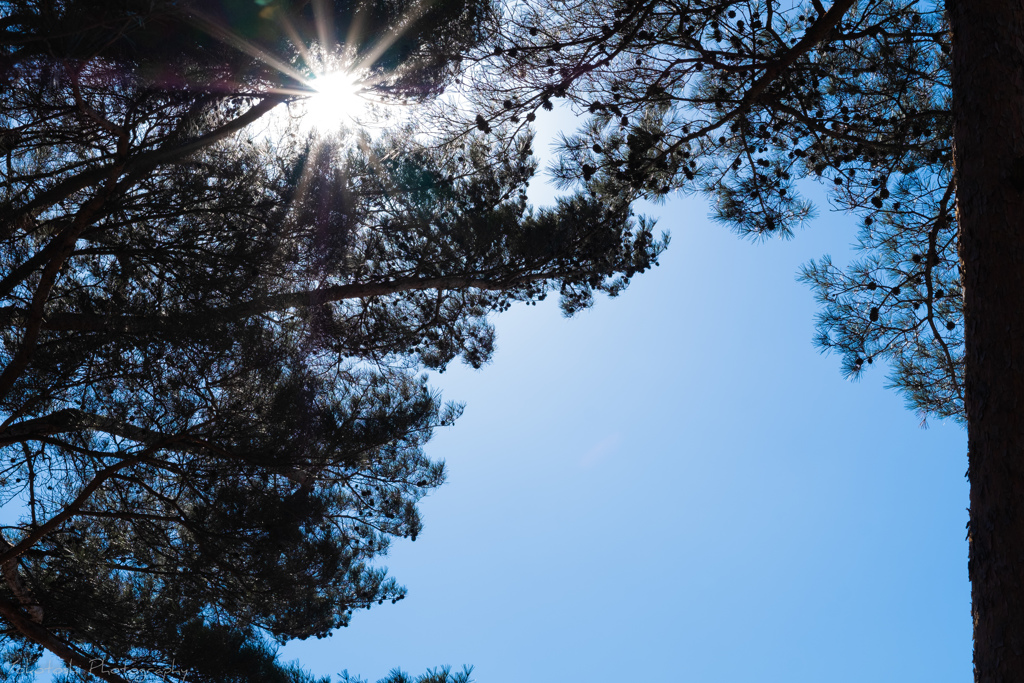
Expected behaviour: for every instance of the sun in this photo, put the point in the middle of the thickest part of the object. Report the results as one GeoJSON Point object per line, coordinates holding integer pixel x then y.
{"type": "Point", "coordinates": [338, 101]}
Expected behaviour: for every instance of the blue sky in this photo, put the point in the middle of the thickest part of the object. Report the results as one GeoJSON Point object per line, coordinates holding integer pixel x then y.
{"type": "Point", "coordinates": [677, 485]}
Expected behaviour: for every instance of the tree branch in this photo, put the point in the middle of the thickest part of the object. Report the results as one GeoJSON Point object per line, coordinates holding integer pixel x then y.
{"type": "Point", "coordinates": [88, 322]}
{"type": "Point", "coordinates": [18, 587]}
{"type": "Point", "coordinates": [818, 31]}
{"type": "Point", "coordinates": [72, 419]}
{"type": "Point", "coordinates": [141, 164]}
{"type": "Point", "coordinates": [65, 244]}
{"type": "Point", "coordinates": [13, 615]}
{"type": "Point", "coordinates": [46, 527]}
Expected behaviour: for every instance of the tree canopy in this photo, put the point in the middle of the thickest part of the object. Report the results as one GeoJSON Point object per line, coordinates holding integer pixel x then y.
{"type": "Point", "coordinates": [743, 101]}
{"type": "Point", "coordinates": [213, 410]}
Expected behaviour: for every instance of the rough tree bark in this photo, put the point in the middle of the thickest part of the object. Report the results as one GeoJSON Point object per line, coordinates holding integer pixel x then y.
{"type": "Point", "coordinates": [988, 143]}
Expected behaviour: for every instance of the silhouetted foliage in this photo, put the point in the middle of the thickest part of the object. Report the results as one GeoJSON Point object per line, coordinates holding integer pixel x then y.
{"type": "Point", "coordinates": [743, 100]}
{"type": "Point", "coordinates": [442, 675]}
{"type": "Point", "coordinates": [211, 391]}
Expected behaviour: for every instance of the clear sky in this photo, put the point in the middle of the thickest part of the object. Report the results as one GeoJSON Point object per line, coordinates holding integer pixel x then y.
{"type": "Point", "coordinates": [676, 485]}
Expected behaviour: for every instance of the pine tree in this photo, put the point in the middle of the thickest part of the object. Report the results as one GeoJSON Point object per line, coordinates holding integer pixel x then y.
{"type": "Point", "coordinates": [210, 370]}
{"type": "Point", "coordinates": [907, 112]}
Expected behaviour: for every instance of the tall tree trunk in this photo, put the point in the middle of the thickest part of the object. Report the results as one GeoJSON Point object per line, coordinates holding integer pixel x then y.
{"type": "Point", "coordinates": [988, 148]}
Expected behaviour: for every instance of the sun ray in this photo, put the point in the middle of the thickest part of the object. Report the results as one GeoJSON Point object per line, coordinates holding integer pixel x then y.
{"type": "Point", "coordinates": [332, 82]}
{"type": "Point", "coordinates": [386, 41]}
{"type": "Point", "coordinates": [324, 21]}
{"type": "Point", "coordinates": [350, 48]}
{"type": "Point", "coordinates": [229, 37]}
{"type": "Point", "coordinates": [297, 40]}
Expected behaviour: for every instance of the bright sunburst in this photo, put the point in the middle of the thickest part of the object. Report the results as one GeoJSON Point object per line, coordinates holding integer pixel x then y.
{"type": "Point", "coordinates": [337, 101]}
{"type": "Point", "coordinates": [334, 89]}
